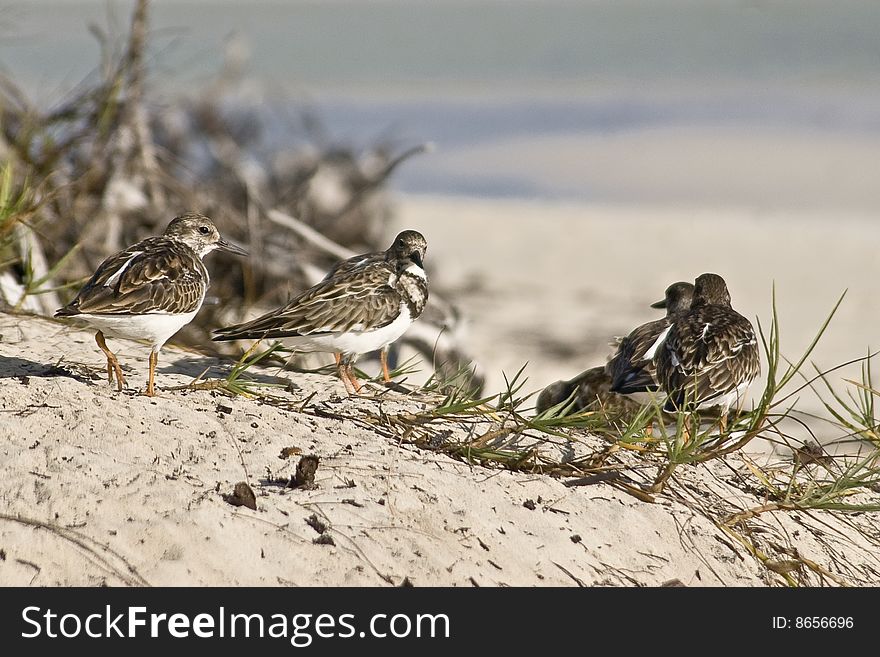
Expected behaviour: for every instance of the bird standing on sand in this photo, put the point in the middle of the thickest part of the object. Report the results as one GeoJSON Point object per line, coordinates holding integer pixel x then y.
{"type": "Point", "coordinates": [347, 266]}
{"type": "Point", "coordinates": [632, 369]}
{"type": "Point", "coordinates": [150, 290]}
{"type": "Point", "coordinates": [710, 354]}
{"type": "Point", "coordinates": [364, 304]}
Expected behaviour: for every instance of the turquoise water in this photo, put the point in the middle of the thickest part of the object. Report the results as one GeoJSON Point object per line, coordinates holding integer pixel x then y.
{"type": "Point", "coordinates": [474, 72]}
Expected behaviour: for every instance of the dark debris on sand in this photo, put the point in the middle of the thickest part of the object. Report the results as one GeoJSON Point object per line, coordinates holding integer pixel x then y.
{"type": "Point", "coordinates": [242, 495]}
{"type": "Point", "coordinates": [305, 472]}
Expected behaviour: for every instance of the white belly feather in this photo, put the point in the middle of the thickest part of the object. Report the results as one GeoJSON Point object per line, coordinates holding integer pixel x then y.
{"type": "Point", "coordinates": [155, 328]}
{"type": "Point", "coordinates": [354, 342]}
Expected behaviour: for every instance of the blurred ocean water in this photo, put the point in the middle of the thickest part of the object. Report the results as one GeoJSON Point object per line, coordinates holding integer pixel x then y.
{"type": "Point", "coordinates": [535, 98]}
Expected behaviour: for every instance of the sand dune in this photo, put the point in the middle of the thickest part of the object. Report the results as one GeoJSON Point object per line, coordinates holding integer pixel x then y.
{"type": "Point", "coordinates": [100, 487]}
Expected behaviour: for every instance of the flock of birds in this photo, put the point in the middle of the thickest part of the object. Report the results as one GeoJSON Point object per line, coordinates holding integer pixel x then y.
{"type": "Point", "coordinates": [701, 354]}
{"type": "Point", "coordinates": [152, 289]}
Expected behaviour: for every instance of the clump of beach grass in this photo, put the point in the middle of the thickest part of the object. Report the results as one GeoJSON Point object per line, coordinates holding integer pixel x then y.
{"type": "Point", "coordinates": [236, 383]}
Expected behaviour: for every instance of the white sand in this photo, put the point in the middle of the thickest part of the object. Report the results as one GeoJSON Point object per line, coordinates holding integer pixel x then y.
{"type": "Point", "coordinates": [129, 491]}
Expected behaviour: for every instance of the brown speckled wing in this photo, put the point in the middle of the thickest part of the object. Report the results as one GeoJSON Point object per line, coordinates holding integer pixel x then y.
{"type": "Point", "coordinates": [153, 276]}
{"type": "Point", "coordinates": [355, 262]}
{"type": "Point", "coordinates": [708, 353]}
{"type": "Point", "coordinates": [356, 299]}
{"type": "Point", "coordinates": [628, 369]}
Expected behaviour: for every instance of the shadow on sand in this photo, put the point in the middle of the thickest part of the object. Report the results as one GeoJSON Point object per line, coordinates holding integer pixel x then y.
{"type": "Point", "coordinates": [213, 368]}
{"type": "Point", "coordinates": [12, 367]}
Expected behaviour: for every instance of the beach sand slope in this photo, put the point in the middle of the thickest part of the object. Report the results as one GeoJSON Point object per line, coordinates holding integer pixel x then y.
{"type": "Point", "coordinates": [99, 487]}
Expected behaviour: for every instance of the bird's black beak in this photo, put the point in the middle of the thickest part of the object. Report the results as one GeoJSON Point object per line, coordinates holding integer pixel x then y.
{"type": "Point", "coordinates": [416, 257]}
{"type": "Point", "coordinates": [659, 304]}
{"type": "Point", "coordinates": [229, 247]}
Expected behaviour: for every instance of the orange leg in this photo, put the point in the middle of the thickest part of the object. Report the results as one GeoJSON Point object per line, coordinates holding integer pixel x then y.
{"type": "Point", "coordinates": [112, 363]}
{"type": "Point", "coordinates": [351, 377]}
{"type": "Point", "coordinates": [383, 357]}
{"type": "Point", "coordinates": [342, 372]}
{"type": "Point", "coordinates": [154, 360]}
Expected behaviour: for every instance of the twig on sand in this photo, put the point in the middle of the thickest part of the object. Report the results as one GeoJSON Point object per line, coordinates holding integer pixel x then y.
{"type": "Point", "coordinates": [574, 577]}
{"type": "Point", "coordinates": [95, 551]}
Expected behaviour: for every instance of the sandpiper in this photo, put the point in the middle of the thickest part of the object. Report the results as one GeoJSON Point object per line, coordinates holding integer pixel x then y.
{"type": "Point", "coordinates": [589, 390]}
{"type": "Point", "coordinates": [363, 305]}
{"type": "Point", "coordinates": [150, 290]}
{"type": "Point", "coordinates": [559, 391]}
{"type": "Point", "coordinates": [710, 354]}
{"type": "Point", "coordinates": [347, 266]}
{"type": "Point", "coordinates": [632, 368]}
{"type": "Point", "coordinates": [616, 385]}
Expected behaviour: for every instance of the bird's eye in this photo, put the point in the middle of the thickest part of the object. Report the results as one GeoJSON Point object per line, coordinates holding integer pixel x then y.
{"type": "Point", "coordinates": [204, 230]}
